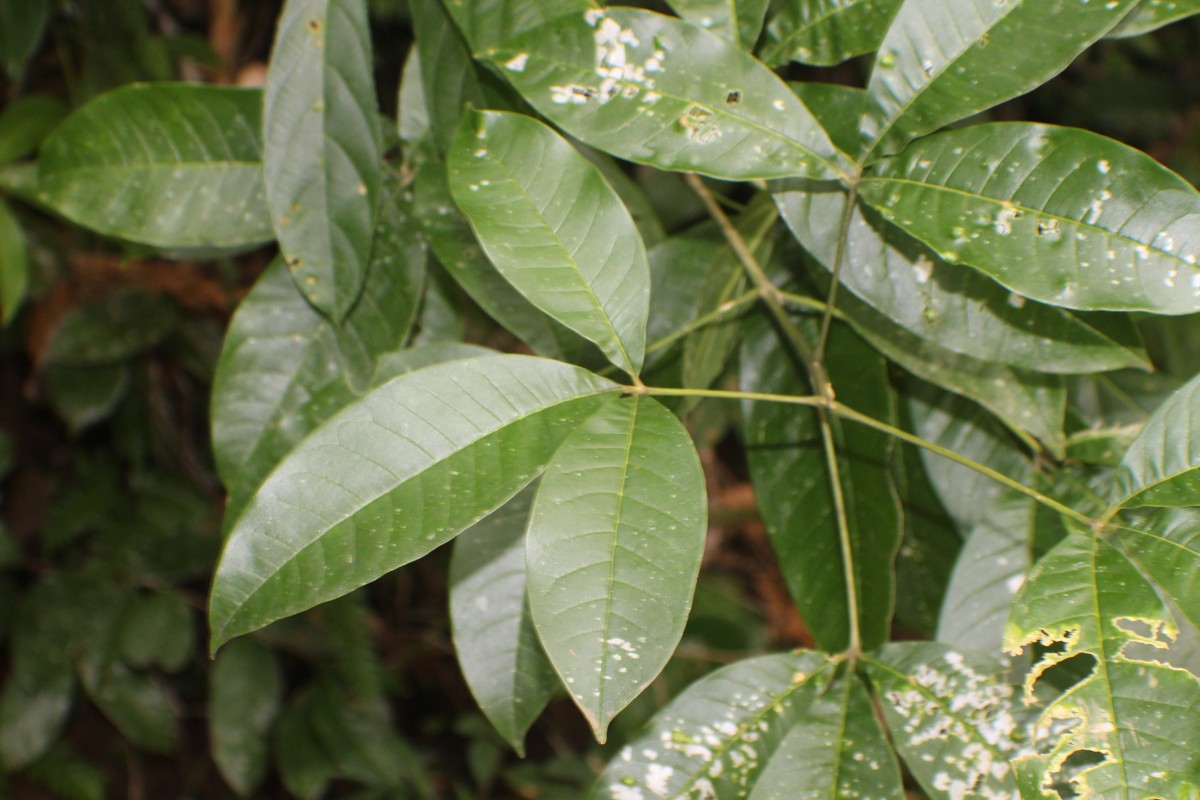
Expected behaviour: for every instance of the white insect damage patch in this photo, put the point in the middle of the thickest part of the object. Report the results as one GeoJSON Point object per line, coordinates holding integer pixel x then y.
{"type": "Point", "coordinates": [618, 73]}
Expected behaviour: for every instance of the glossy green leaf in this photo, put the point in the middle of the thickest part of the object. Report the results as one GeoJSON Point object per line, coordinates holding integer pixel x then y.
{"type": "Point", "coordinates": [1064, 216]}
{"type": "Point", "coordinates": [1153, 14]}
{"type": "Point", "coordinates": [453, 242]}
{"type": "Point", "coordinates": [989, 571]}
{"type": "Point", "coordinates": [1085, 598]}
{"type": "Point", "coordinates": [952, 717]}
{"type": "Point", "coordinates": [835, 750]}
{"type": "Point", "coordinates": [739, 21]}
{"type": "Point", "coordinates": [285, 368]}
{"type": "Point", "coordinates": [14, 264]}
{"type": "Point", "coordinates": [1028, 402]}
{"type": "Point", "coordinates": [555, 229]}
{"type": "Point", "coordinates": [1166, 546]}
{"type": "Point", "coordinates": [944, 60]}
{"type": "Point", "coordinates": [791, 482]}
{"type": "Point", "coordinates": [111, 329]}
{"type": "Point", "coordinates": [613, 550]}
{"type": "Point", "coordinates": [427, 455]}
{"type": "Point", "coordinates": [245, 687]}
{"type": "Point", "coordinates": [485, 23]}
{"type": "Point", "coordinates": [25, 122]}
{"type": "Point", "coordinates": [826, 32]}
{"type": "Point", "coordinates": [1161, 466]}
{"type": "Point", "coordinates": [169, 165]}
{"type": "Point", "coordinates": [497, 647]}
{"type": "Point", "coordinates": [958, 309]}
{"type": "Point", "coordinates": [717, 737]}
{"type": "Point", "coordinates": [321, 148]}
{"type": "Point", "coordinates": [656, 90]}
{"type": "Point", "coordinates": [22, 24]}
{"type": "Point", "coordinates": [401, 362]}
{"type": "Point", "coordinates": [86, 395]}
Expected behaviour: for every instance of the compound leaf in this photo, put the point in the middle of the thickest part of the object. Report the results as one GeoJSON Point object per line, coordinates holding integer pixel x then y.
{"type": "Point", "coordinates": [394, 474]}
{"type": "Point", "coordinates": [555, 229]}
{"type": "Point", "coordinates": [169, 165]}
{"type": "Point", "coordinates": [613, 550]}
{"type": "Point", "coordinates": [322, 147]}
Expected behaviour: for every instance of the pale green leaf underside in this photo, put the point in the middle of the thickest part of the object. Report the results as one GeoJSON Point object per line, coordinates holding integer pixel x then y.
{"type": "Point", "coordinates": [716, 738]}
{"type": "Point", "coordinates": [399, 471]}
{"type": "Point", "coordinates": [1061, 215]}
{"type": "Point", "coordinates": [739, 21]}
{"type": "Point", "coordinates": [613, 550]}
{"type": "Point", "coordinates": [1087, 596]}
{"type": "Point", "coordinates": [944, 60]}
{"type": "Point", "coordinates": [322, 148]}
{"type": "Point", "coordinates": [958, 309]}
{"type": "Point", "coordinates": [827, 32]}
{"type": "Point", "coordinates": [1153, 14]}
{"type": "Point", "coordinates": [951, 716]}
{"type": "Point", "coordinates": [555, 229]}
{"type": "Point", "coordinates": [494, 639]}
{"type": "Point", "coordinates": [170, 165]}
{"type": "Point", "coordinates": [1160, 467]}
{"type": "Point", "coordinates": [656, 90]}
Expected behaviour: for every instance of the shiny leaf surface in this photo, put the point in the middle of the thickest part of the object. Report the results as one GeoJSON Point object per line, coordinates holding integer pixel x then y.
{"type": "Point", "coordinates": [739, 21]}
{"type": "Point", "coordinates": [827, 32]}
{"type": "Point", "coordinates": [1160, 467]}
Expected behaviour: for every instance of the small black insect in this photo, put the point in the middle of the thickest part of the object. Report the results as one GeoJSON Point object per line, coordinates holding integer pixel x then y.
{"type": "Point", "coordinates": [734, 96]}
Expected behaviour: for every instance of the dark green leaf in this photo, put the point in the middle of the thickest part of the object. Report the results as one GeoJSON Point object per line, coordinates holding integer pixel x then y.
{"type": "Point", "coordinates": [792, 484]}
{"type": "Point", "coordinates": [25, 122]}
{"type": "Point", "coordinates": [157, 630]}
{"type": "Point", "coordinates": [245, 689]}
{"type": "Point", "coordinates": [716, 739]}
{"type": "Point", "coordinates": [430, 453]}
{"type": "Point", "coordinates": [112, 329]}
{"type": "Point", "coordinates": [14, 264]}
{"type": "Point", "coordinates": [944, 60]}
{"type": "Point", "coordinates": [739, 21]}
{"type": "Point", "coordinates": [402, 362]}
{"type": "Point", "coordinates": [321, 148]}
{"type": "Point", "coordinates": [86, 395]}
{"type": "Point", "coordinates": [613, 549]}
{"type": "Point", "coordinates": [1166, 546]}
{"type": "Point", "coordinates": [33, 710]}
{"type": "Point", "coordinates": [658, 91]}
{"type": "Point", "coordinates": [1153, 14]}
{"type": "Point", "coordinates": [169, 165]}
{"type": "Point", "coordinates": [827, 32]}
{"type": "Point", "coordinates": [485, 23]}
{"type": "Point", "coordinates": [956, 308]}
{"type": "Point", "coordinates": [497, 647]}
{"type": "Point", "coordinates": [1160, 467]}
{"type": "Point", "coordinates": [555, 229]}
{"type": "Point", "coordinates": [1060, 215]}
{"type": "Point", "coordinates": [22, 23]}
{"type": "Point", "coordinates": [412, 118]}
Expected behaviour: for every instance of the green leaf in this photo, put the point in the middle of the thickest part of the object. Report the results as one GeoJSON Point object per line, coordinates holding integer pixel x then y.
{"type": "Point", "coordinates": [958, 309]}
{"type": "Point", "coordinates": [412, 116]}
{"type": "Point", "coordinates": [1166, 546]}
{"type": "Point", "coordinates": [245, 686]}
{"type": "Point", "coordinates": [989, 571]}
{"type": "Point", "coordinates": [791, 481]}
{"type": "Point", "coordinates": [680, 268]}
{"type": "Point", "coordinates": [33, 710]}
{"type": "Point", "coordinates": [112, 329]}
{"type": "Point", "coordinates": [169, 165]}
{"type": "Point", "coordinates": [25, 122]}
{"type": "Point", "coordinates": [739, 21]}
{"type": "Point", "coordinates": [1084, 598]}
{"type": "Point", "coordinates": [157, 630]}
{"type": "Point", "coordinates": [14, 264]}
{"type": "Point", "coordinates": [656, 90]}
{"type": "Point", "coordinates": [22, 23]}
{"type": "Point", "coordinates": [485, 23]}
{"type": "Point", "coordinates": [613, 550]}
{"type": "Point", "coordinates": [138, 706]}
{"type": "Point", "coordinates": [930, 65]}
{"type": "Point", "coordinates": [321, 148]}
{"type": "Point", "coordinates": [497, 646]}
{"type": "Point", "coordinates": [1151, 15]}
{"type": "Point", "coordinates": [717, 737]}
{"type": "Point", "coordinates": [86, 395]}
{"type": "Point", "coordinates": [453, 242]}
{"type": "Point", "coordinates": [410, 359]}
{"type": "Point", "coordinates": [285, 368]}
{"type": "Point", "coordinates": [826, 32]}
{"type": "Point", "coordinates": [951, 716]}
{"type": "Point", "coordinates": [1060, 215]}
{"type": "Point", "coordinates": [428, 455]}
{"type": "Point", "coordinates": [1160, 467]}
{"type": "Point", "coordinates": [555, 229]}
